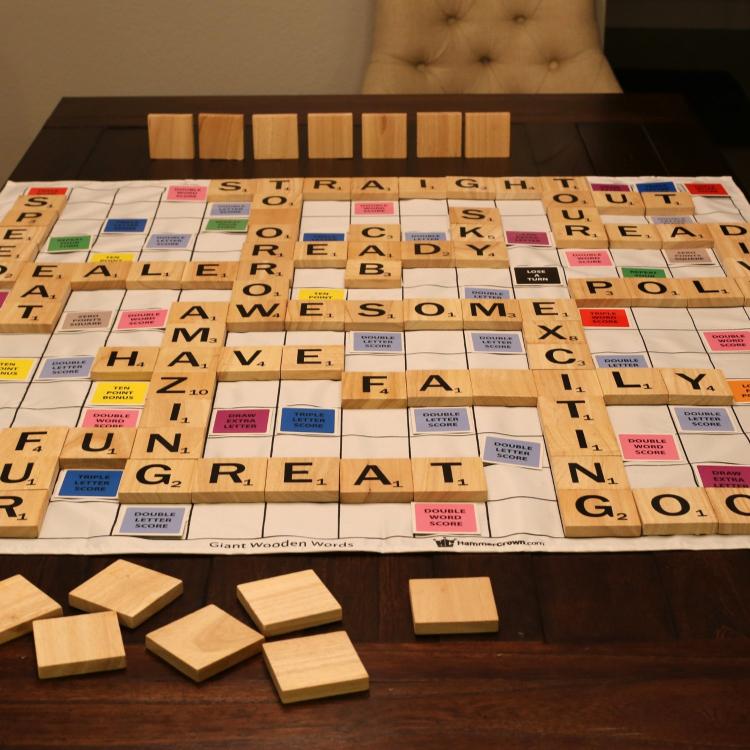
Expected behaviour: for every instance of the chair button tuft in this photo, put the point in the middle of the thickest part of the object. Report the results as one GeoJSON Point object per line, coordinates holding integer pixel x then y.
{"type": "Point", "coordinates": [485, 60]}
{"type": "Point", "coordinates": [553, 65]}
{"type": "Point", "coordinates": [451, 19]}
{"type": "Point", "coordinates": [520, 19]}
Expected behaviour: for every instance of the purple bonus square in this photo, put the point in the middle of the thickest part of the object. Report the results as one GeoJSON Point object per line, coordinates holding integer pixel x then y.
{"type": "Point", "coordinates": [233, 421]}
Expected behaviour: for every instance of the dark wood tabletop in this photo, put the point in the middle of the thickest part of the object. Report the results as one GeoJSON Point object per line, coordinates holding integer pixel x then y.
{"type": "Point", "coordinates": [636, 650]}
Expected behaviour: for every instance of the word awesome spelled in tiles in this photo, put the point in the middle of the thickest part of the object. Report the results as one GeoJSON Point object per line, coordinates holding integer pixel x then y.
{"type": "Point", "coordinates": [377, 364]}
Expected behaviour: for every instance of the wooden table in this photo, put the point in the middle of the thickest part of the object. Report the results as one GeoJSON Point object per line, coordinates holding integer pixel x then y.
{"type": "Point", "coordinates": [600, 650]}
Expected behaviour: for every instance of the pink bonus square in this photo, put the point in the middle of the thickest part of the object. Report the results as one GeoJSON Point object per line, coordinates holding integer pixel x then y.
{"type": "Point", "coordinates": [649, 447]}
{"type": "Point", "coordinates": [445, 518]}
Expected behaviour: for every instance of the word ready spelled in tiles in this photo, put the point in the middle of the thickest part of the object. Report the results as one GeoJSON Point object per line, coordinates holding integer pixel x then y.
{"type": "Point", "coordinates": [385, 364]}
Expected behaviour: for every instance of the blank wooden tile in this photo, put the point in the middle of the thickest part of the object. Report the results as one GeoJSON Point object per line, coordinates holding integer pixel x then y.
{"type": "Point", "coordinates": [221, 136]}
{"type": "Point", "coordinates": [302, 480]}
{"type": "Point", "coordinates": [503, 388]}
{"type": "Point", "coordinates": [486, 135]}
{"type": "Point", "coordinates": [453, 605]}
{"type": "Point", "coordinates": [599, 513]}
{"type": "Point", "coordinates": [229, 480]}
{"type": "Point", "coordinates": [438, 134]}
{"type": "Point", "coordinates": [695, 387]}
{"type": "Point", "coordinates": [156, 481]}
{"type": "Point", "coordinates": [285, 603]}
{"type": "Point", "coordinates": [454, 479]}
{"type": "Point", "coordinates": [438, 388]}
{"type": "Point", "coordinates": [21, 603]}
{"type": "Point", "coordinates": [134, 592]}
{"type": "Point", "coordinates": [667, 511]}
{"type": "Point", "coordinates": [80, 644]}
{"type": "Point", "coordinates": [275, 136]}
{"type": "Point", "coordinates": [97, 447]}
{"type": "Point", "coordinates": [22, 513]}
{"type": "Point", "coordinates": [373, 390]}
{"type": "Point", "coordinates": [330, 135]}
{"type": "Point", "coordinates": [170, 136]}
{"type": "Point", "coordinates": [249, 363]}
{"type": "Point", "coordinates": [732, 508]}
{"type": "Point", "coordinates": [309, 362]}
{"type": "Point", "coordinates": [383, 135]}
{"type": "Point", "coordinates": [376, 480]}
{"type": "Point", "coordinates": [204, 643]}
{"type": "Point", "coordinates": [315, 666]}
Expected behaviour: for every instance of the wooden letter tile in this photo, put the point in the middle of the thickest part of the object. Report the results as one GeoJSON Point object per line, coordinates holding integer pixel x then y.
{"type": "Point", "coordinates": [315, 666]}
{"type": "Point", "coordinates": [249, 363]}
{"type": "Point", "coordinates": [78, 645]}
{"type": "Point", "coordinates": [373, 390]}
{"type": "Point", "coordinates": [639, 385]}
{"type": "Point", "coordinates": [383, 135]}
{"type": "Point", "coordinates": [229, 480]}
{"type": "Point", "coordinates": [170, 136]}
{"type": "Point", "coordinates": [204, 643]}
{"type": "Point", "coordinates": [376, 480]}
{"type": "Point", "coordinates": [693, 387]}
{"type": "Point", "coordinates": [455, 479]}
{"type": "Point", "coordinates": [732, 509]}
{"type": "Point", "coordinates": [602, 513]}
{"type": "Point", "coordinates": [221, 136]}
{"type": "Point", "coordinates": [148, 481]}
{"type": "Point", "coordinates": [97, 447]}
{"type": "Point", "coordinates": [675, 511]}
{"type": "Point", "coordinates": [312, 362]}
{"type": "Point", "coordinates": [135, 593]}
{"type": "Point", "coordinates": [22, 513]}
{"type": "Point", "coordinates": [285, 603]}
{"type": "Point", "coordinates": [453, 605]}
{"type": "Point", "coordinates": [21, 603]}
{"type": "Point", "coordinates": [438, 134]}
{"type": "Point", "coordinates": [438, 388]}
{"type": "Point", "coordinates": [330, 135]}
{"type": "Point", "coordinates": [432, 315]}
{"type": "Point", "coordinates": [275, 136]}
{"type": "Point", "coordinates": [302, 480]}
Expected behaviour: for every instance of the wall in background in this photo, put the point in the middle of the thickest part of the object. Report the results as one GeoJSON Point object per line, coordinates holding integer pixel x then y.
{"type": "Point", "coordinates": [163, 47]}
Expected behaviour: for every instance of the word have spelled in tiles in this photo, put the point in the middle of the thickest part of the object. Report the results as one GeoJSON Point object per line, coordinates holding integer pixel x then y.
{"type": "Point", "coordinates": [360, 360]}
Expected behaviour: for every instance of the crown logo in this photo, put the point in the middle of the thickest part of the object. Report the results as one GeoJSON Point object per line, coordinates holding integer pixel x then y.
{"type": "Point", "coordinates": [444, 542]}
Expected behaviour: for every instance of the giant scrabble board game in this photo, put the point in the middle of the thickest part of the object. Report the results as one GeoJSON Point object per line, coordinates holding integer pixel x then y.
{"type": "Point", "coordinates": [376, 364]}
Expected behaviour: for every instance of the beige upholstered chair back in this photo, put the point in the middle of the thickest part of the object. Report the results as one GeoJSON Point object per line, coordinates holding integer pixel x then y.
{"type": "Point", "coordinates": [487, 46]}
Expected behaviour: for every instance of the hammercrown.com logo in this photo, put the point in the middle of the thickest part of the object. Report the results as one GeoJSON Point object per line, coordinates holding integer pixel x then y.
{"type": "Point", "coordinates": [445, 542]}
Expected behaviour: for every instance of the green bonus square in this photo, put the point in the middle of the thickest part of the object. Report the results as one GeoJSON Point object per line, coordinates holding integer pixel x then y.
{"type": "Point", "coordinates": [226, 225]}
{"type": "Point", "coordinates": [69, 244]}
{"type": "Point", "coordinates": [644, 273]}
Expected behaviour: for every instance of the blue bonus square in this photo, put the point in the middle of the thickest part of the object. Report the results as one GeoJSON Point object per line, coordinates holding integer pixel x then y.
{"type": "Point", "coordinates": [323, 237]}
{"type": "Point", "coordinates": [614, 361]}
{"type": "Point", "coordinates": [703, 419]}
{"type": "Point", "coordinates": [67, 367]}
{"type": "Point", "coordinates": [125, 226]}
{"type": "Point", "coordinates": [478, 292]}
{"type": "Point", "coordinates": [159, 521]}
{"type": "Point", "coordinates": [657, 187]}
{"type": "Point", "coordinates": [499, 343]}
{"type": "Point", "coordinates": [375, 341]}
{"type": "Point", "coordinates": [308, 420]}
{"type": "Point", "coordinates": [90, 483]}
{"type": "Point", "coordinates": [436, 419]}
{"type": "Point", "coordinates": [503, 450]}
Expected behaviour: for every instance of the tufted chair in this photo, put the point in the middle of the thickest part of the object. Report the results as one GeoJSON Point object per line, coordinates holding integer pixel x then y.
{"type": "Point", "coordinates": [487, 47]}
